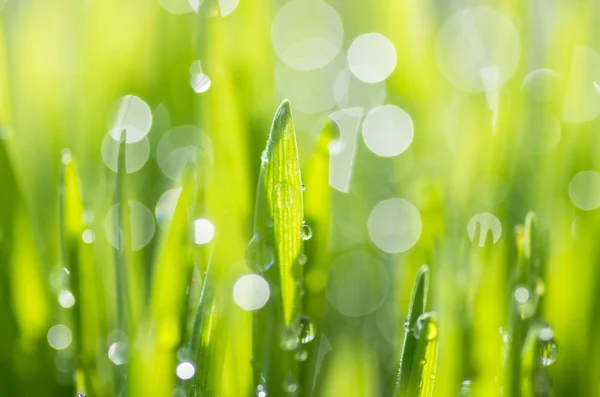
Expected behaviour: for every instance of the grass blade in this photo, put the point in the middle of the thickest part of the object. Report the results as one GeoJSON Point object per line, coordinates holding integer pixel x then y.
{"type": "Point", "coordinates": [412, 348]}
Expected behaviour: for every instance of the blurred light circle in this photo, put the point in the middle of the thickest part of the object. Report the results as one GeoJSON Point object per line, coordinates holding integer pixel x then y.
{"type": "Point", "coordinates": [544, 130]}
{"type": "Point", "coordinates": [307, 34]}
{"type": "Point", "coordinates": [200, 83]}
{"type": "Point", "coordinates": [309, 91]}
{"type": "Point", "coordinates": [487, 222]}
{"type": "Point", "coordinates": [388, 131]}
{"type": "Point", "coordinates": [542, 85]}
{"type": "Point", "coordinates": [228, 6]}
{"type": "Point", "coordinates": [582, 100]}
{"type": "Point", "coordinates": [350, 92]}
{"type": "Point", "coordinates": [180, 146]}
{"type": "Point", "coordinates": [59, 337]}
{"type": "Point", "coordinates": [394, 225]}
{"type": "Point", "coordinates": [141, 226]}
{"type": "Point", "coordinates": [165, 207]}
{"type": "Point", "coordinates": [185, 370]}
{"type": "Point", "coordinates": [584, 190]}
{"type": "Point", "coordinates": [472, 43]}
{"type": "Point", "coordinates": [118, 352]}
{"type": "Point", "coordinates": [372, 57]}
{"type": "Point", "coordinates": [132, 115]}
{"type": "Point", "coordinates": [179, 6]}
{"type": "Point", "coordinates": [204, 231]}
{"type": "Point", "coordinates": [357, 284]}
{"type": "Point", "coordinates": [88, 236]}
{"type": "Point", "coordinates": [251, 292]}
{"type": "Point", "coordinates": [66, 298]}
{"type": "Point", "coordinates": [136, 154]}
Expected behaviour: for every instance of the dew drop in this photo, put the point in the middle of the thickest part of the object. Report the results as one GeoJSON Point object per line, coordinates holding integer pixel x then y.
{"type": "Point", "coordinates": [306, 327]}
{"type": "Point", "coordinates": [525, 302]}
{"type": "Point", "coordinates": [66, 299]}
{"type": "Point", "coordinates": [185, 370]}
{"type": "Point", "coordinates": [283, 195]}
{"type": "Point", "coordinates": [260, 254]}
{"type": "Point", "coordinates": [303, 187]}
{"type": "Point", "coordinates": [261, 391]}
{"type": "Point", "coordinates": [465, 389]}
{"type": "Point", "coordinates": [301, 355]}
{"type": "Point", "coordinates": [302, 259]}
{"type": "Point", "coordinates": [406, 325]}
{"type": "Point", "coordinates": [290, 384]}
{"type": "Point", "coordinates": [289, 339]}
{"type": "Point", "coordinates": [548, 348]}
{"type": "Point", "coordinates": [306, 232]}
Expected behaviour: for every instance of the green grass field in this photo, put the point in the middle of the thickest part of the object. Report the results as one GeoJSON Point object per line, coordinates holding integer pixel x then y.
{"type": "Point", "coordinates": [299, 198]}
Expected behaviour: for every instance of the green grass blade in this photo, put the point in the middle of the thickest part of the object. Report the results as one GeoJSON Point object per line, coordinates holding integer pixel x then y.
{"type": "Point", "coordinates": [411, 346]}
{"type": "Point", "coordinates": [424, 361]}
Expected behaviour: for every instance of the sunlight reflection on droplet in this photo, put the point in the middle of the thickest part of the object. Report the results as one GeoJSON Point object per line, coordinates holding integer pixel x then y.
{"type": "Point", "coordinates": [179, 146]}
{"type": "Point", "coordinates": [165, 207]}
{"type": "Point", "coordinates": [200, 83]}
{"type": "Point", "coordinates": [118, 352]}
{"type": "Point", "coordinates": [351, 92]}
{"type": "Point", "coordinates": [88, 236]}
{"type": "Point", "coordinates": [141, 225]}
{"type": "Point", "coordinates": [59, 337]}
{"type": "Point", "coordinates": [394, 225]}
{"type": "Point", "coordinates": [185, 370]}
{"type": "Point", "coordinates": [372, 57]}
{"type": "Point", "coordinates": [388, 131]}
{"type": "Point", "coordinates": [584, 190]}
{"type": "Point", "coordinates": [133, 115]}
{"type": "Point", "coordinates": [307, 34]}
{"type": "Point", "coordinates": [309, 91]}
{"type": "Point", "coordinates": [204, 231]}
{"type": "Point", "coordinates": [136, 154]}
{"type": "Point", "coordinates": [542, 85]}
{"type": "Point", "coordinates": [251, 292]}
{"type": "Point", "coordinates": [357, 284]}
{"type": "Point", "coordinates": [474, 39]}
{"type": "Point", "coordinates": [66, 299]}
{"type": "Point", "coordinates": [487, 222]}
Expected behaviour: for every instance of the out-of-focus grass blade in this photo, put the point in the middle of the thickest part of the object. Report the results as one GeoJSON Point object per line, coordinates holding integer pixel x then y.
{"type": "Point", "coordinates": [164, 323]}
{"type": "Point", "coordinates": [411, 346]}
{"type": "Point", "coordinates": [76, 255]}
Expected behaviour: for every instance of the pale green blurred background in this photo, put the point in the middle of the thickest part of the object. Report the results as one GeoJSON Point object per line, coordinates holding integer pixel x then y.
{"type": "Point", "coordinates": [450, 113]}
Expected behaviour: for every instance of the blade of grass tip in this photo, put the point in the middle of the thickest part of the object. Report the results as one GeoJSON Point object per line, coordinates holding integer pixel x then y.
{"type": "Point", "coordinates": [163, 325]}
{"type": "Point", "coordinates": [539, 351]}
{"type": "Point", "coordinates": [417, 307]}
{"type": "Point", "coordinates": [278, 239]}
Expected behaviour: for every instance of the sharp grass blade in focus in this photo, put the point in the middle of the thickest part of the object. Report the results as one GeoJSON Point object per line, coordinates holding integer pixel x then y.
{"type": "Point", "coordinates": [416, 350]}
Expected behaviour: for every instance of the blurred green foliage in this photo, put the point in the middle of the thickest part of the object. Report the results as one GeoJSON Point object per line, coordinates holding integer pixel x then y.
{"type": "Point", "coordinates": [514, 295]}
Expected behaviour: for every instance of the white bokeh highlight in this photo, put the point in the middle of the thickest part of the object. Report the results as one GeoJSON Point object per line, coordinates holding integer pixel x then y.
{"type": "Point", "coordinates": [180, 146]}
{"type": "Point", "coordinates": [133, 115]}
{"type": "Point", "coordinates": [251, 292]}
{"type": "Point", "coordinates": [136, 154]}
{"type": "Point", "coordinates": [204, 231]}
{"type": "Point", "coordinates": [388, 131]}
{"type": "Point", "coordinates": [59, 337]}
{"type": "Point", "coordinates": [141, 225]}
{"type": "Point", "coordinates": [394, 225]}
{"type": "Point", "coordinates": [584, 190]}
{"type": "Point", "coordinates": [372, 57]}
{"type": "Point", "coordinates": [307, 34]}
{"type": "Point", "coordinates": [487, 223]}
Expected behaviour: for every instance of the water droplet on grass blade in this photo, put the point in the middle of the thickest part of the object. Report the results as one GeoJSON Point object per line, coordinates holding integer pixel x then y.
{"type": "Point", "coordinates": [301, 354]}
{"type": "Point", "coordinates": [261, 391]}
{"type": "Point", "coordinates": [465, 389]}
{"type": "Point", "coordinates": [525, 302]}
{"type": "Point", "coordinates": [66, 299]}
{"type": "Point", "coordinates": [548, 346]}
{"type": "Point", "coordinates": [306, 232]}
{"type": "Point", "coordinates": [306, 329]}
{"type": "Point", "coordinates": [302, 259]}
{"type": "Point", "coordinates": [290, 384]}
{"type": "Point", "coordinates": [260, 254]}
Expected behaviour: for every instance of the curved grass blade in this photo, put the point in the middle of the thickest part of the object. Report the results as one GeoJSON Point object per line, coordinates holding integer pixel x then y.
{"type": "Point", "coordinates": [411, 347]}
{"type": "Point", "coordinates": [425, 358]}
